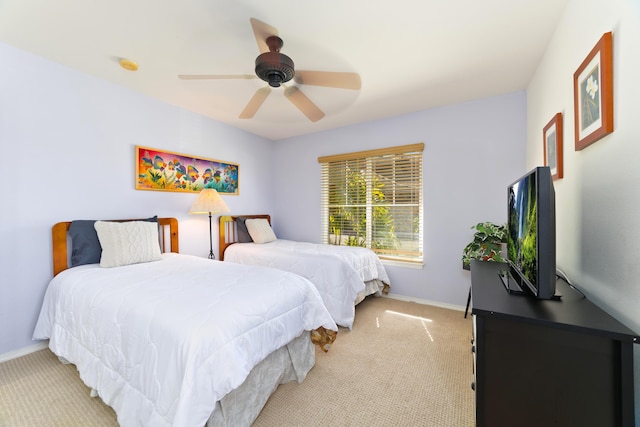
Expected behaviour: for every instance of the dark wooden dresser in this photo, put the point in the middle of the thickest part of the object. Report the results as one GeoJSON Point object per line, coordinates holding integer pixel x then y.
{"type": "Point", "coordinates": [547, 362]}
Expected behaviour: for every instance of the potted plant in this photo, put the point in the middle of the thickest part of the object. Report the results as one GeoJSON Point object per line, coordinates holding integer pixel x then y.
{"type": "Point", "coordinates": [486, 244]}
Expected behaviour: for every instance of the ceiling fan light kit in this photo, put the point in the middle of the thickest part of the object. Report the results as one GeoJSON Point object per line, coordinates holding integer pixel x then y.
{"type": "Point", "coordinates": [276, 69]}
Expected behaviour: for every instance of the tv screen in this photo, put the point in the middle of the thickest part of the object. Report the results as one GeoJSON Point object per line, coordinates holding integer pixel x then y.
{"type": "Point", "coordinates": [531, 233]}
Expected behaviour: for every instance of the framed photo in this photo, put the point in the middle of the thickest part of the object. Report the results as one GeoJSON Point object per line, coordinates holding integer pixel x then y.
{"type": "Point", "coordinates": [552, 135]}
{"type": "Point", "coordinates": [593, 94]}
{"type": "Point", "coordinates": [168, 171]}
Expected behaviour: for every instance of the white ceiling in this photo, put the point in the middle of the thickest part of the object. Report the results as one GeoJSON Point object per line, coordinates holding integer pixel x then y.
{"type": "Point", "coordinates": [411, 54]}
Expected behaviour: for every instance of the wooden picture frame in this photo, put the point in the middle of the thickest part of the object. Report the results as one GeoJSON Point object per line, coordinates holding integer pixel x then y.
{"type": "Point", "coordinates": [161, 170]}
{"type": "Point", "coordinates": [552, 136]}
{"type": "Point", "coordinates": [593, 94]}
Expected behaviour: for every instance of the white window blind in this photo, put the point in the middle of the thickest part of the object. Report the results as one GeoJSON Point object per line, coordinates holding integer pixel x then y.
{"type": "Point", "coordinates": [373, 199]}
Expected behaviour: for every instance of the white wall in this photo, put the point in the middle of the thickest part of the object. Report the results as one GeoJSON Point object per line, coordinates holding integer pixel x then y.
{"type": "Point", "coordinates": [598, 200]}
{"type": "Point", "coordinates": [472, 152]}
{"type": "Point", "coordinates": [67, 143]}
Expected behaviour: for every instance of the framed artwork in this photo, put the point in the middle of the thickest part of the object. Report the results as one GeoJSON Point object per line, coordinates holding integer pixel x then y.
{"type": "Point", "coordinates": [161, 170]}
{"type": "Point", "coordinates": [552, 135]}
{"type": "Point", "coordinates": [593, 94]}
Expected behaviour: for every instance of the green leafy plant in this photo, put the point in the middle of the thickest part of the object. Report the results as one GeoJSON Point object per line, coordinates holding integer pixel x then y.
{"type": "Point", "coordinates": [348, 219]}
{"type": "Point", "coordinates": [486, 244]}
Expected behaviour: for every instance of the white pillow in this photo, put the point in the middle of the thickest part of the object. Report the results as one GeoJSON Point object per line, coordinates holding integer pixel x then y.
{"type": "Point", "coordinates": [260, 230]}
{"type": "Point", "coordinates": [125, 243]}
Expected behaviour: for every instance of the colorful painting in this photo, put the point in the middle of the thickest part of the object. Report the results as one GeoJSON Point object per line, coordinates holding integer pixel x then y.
{"type": "Point", "coordinates": [167, 171]}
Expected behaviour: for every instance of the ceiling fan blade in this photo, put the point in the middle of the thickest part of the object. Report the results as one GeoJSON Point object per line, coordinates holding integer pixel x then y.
{"type": "Point", "coordinates": [328, 79]}
{"type": "Point", "coordinates": [255, 102]}
{"type": "Point", "coordinates": [262, 31]}
{"type": "Point", "coordinates": [216, 76]}
{"type": "Point", "coordinates": [303, 103]}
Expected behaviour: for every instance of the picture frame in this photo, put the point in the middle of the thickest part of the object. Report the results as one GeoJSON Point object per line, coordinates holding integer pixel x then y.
{"type": "Point", "coordinates": [553, 149]}
{"type": "Point", "coordinates": [161, 170]}
{"type": "Point", "coordinates": [593, 94]}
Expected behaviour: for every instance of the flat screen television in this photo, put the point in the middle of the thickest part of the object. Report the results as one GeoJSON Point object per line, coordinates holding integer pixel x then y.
{"type": "Point", "coordinates": [531, 233]}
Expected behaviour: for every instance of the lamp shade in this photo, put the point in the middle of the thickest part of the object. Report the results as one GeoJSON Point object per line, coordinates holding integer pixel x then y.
{"type": "Point", "coordinates": [209, 202]}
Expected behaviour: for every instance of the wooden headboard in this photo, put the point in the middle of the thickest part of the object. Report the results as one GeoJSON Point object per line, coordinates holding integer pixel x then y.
{"type": "Point", "coordinates": [229, 232]}
{"type": "Point", "coordinates": [61, 252]}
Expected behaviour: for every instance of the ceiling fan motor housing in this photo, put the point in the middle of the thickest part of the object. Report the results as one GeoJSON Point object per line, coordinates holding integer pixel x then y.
{"type": "Point", "coordinates": [274, 68]}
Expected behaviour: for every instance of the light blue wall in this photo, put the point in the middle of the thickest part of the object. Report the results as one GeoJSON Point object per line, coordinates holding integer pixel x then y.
{"type": "Point", "coordinates": [472, 152]}
{"type": "Point", "coordinates": [67, 143]}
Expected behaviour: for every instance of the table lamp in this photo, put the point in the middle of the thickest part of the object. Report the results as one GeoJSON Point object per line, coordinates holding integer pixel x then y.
{"type": "Point", "coordinates": [209, 201]}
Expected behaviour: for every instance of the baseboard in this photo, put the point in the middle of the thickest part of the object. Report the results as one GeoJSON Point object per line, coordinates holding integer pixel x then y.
{"type": "Point", "coordinates": [425, 302]}
{"type": "Point", "coordinates": [24, 351]}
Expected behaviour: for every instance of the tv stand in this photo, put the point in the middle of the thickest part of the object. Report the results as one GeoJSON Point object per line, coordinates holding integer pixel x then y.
{"type": "Point", "coordinates": [513, 287]}
{"type": "Point", "coordinates": [541, 362]}
{"type": "Point", "coordinates": [510, 283]}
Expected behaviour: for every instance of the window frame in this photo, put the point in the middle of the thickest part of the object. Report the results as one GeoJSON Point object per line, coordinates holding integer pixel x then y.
{"type": "Point", "coordinates": [367, 160]}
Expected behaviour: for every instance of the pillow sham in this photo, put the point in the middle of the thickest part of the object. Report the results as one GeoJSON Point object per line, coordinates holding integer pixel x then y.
{"type": "Point", "coordinates": [260, 230]}
{"type": "Point", "coordinates": [243, 233]}
{"type": "Point", "coordinates": [85, 245]}
{"type": "Point", "coordinates": [125, 243]}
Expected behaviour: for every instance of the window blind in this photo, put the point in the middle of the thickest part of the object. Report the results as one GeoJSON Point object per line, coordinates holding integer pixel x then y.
{"type": "Point", "coordinates": [373, 199]}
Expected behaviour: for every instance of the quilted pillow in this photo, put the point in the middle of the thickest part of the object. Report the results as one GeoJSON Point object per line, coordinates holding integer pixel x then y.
{"type": "Point", "coordinates": [125, 243]}
{"type": "Point", "coordinates": [243, 233]}
{"type": "Point", "coordinates": [85, 245]}
{"type": "Point", "coordinates": [260, 230]}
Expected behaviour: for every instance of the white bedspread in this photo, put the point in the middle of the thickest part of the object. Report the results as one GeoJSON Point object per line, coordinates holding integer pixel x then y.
{"type": "Point", "coordinates": [161, 342]}
{"type": "Point", "coordinates": [339, 272]}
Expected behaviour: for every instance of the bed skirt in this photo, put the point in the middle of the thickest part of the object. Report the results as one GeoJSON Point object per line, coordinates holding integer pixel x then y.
{"type": "Point", "coordinates": [242, 406]}
{"type": "Point", "coordinates": [372, 287]}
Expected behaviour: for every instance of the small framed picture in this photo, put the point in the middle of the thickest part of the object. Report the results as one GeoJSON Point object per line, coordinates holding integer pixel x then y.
{"type": "Point", "coordinates": [552, 136]}
{"type": "Point", "coordinates": [593, 94]}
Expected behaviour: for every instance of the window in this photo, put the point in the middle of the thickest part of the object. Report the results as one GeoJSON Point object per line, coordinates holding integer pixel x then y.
{"type": "Point", "coordinates": [373, 199]}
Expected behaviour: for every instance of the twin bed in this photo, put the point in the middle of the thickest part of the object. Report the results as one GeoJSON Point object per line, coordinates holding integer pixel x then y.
{"type": "Point", "coordinates": [170, 339]}
{"type": "Point", "coordinates": [344, 275]}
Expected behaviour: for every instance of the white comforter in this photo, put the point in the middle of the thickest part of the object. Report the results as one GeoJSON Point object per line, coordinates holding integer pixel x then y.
{"type": "Point", "coordinates": [161, 342]}
{"type": "Point", "coordinates": [339, 272]}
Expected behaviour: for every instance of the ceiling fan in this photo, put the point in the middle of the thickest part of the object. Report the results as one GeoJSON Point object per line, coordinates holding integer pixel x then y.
{"type": "Point", "coordinates": [276, 69]}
